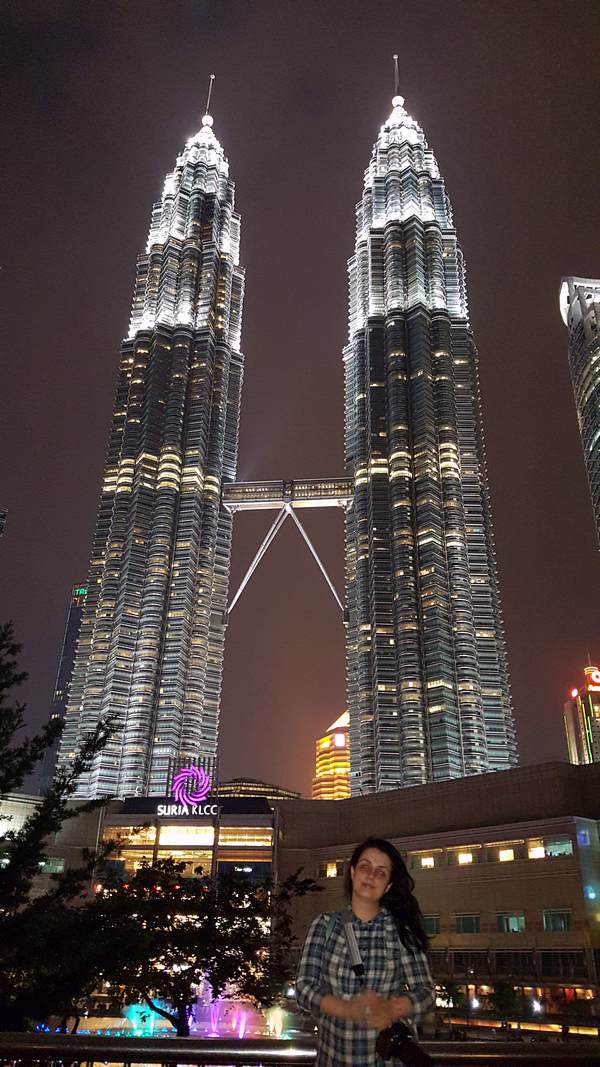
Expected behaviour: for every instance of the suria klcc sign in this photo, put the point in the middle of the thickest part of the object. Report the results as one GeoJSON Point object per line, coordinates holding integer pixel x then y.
{"type": "Point", "coordinates": [190, 787]}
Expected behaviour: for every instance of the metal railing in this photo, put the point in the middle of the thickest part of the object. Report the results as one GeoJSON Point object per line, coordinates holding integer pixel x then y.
{"type": "Point", "coordinates": [54, 1049]}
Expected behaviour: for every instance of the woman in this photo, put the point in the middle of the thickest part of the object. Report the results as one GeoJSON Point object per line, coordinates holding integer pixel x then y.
{"type": "Point", "coordinates": [392, 943]}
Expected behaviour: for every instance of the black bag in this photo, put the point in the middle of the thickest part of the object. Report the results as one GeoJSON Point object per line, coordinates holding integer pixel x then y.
{"type": "Point", "coordinates": [398, 1043]}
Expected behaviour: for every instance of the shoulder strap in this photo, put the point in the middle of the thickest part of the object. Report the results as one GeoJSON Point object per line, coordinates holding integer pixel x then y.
{"type": "Point", "coordinates": [356, 962]}
{"type": "Point", "coordinates": [329, 925]}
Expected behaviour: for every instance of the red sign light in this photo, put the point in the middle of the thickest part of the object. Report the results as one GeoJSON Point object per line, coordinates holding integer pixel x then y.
{"type": "Point", "coordinates": [574, 693]}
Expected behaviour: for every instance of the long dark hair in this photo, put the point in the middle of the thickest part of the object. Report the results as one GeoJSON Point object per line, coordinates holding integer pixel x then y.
{"type": "Point", "coordinates": [399, 899]}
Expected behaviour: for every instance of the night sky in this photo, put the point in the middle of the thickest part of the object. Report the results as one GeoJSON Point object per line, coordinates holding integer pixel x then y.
{"type": "Point", "coordinates": [98, 99]}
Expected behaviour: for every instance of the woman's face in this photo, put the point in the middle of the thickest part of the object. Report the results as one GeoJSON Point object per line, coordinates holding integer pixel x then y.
{"type": "Point", "coordinates": [372, 874]}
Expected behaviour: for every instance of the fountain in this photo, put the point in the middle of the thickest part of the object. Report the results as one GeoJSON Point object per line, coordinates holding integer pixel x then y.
{"type": "Point", "coordinates": [275, 1017]}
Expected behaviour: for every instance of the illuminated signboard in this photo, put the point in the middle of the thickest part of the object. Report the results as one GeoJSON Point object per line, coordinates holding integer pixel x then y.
{"type": "Point", "coordinates": [190, 787]}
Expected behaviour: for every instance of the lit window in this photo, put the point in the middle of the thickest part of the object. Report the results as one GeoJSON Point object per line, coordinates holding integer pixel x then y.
{"type": "Point", "coordinates": [340, 740]}
{"type": "Point", "coordinates": [557, 922]}
{"type": "Point", "coordinates": [331, 869]}
{"type": "Point", "coordinates": [52, 865]}
{"type": "Point", "coordinates": [536, 850]}
{"type": "Point", "coordinates": [465, 857]}
{"type": "Point", "coordinates": [130, 835]}
{"type": "Point", "coordinates": [562, 846]}
{"type": "Point", "coordinates": [506, 854]}
{"type": "Point", "coordinates": [427, 861]}
{"type": "Point", "coordinates": [252, 837]}
{"type": "Point", "coordinates": [467, 924]}
{"type": "Point", "coordinates": [510, 924]}
{"type": "Point", "coordinates": [175, 835]}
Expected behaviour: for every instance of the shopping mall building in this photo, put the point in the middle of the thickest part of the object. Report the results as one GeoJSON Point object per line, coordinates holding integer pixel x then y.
{"type": "Point", "coordinates": [506, 865]}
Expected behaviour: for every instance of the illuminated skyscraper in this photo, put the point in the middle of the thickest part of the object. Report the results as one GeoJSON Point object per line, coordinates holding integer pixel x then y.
{"type": "Point", "coordinates": [3, 514]}
{"type": "Point", "coordinates": [582, 719]}
{"type": "Point", "coordinates": [151, 645]}
{"type": "Point", "coordinates": [64, 675]}
{"type": "Point", "coordinates": [428, 690]}
{"type": "Point", "coordinates": [580, 309]}
{"type": "Point", "coordinates": [332, 762]}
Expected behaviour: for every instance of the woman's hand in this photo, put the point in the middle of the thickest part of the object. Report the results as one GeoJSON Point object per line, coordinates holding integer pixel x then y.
{"type": "Point", "coordinates": [371, 1009]}
{"type": "Point", "coordinates": [402, 1007]}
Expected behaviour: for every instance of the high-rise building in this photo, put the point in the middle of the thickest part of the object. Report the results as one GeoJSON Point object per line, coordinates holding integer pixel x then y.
{"type": "Point", "coordinates": [3, 514]}
{"type": "Point", "coordinates": [582, 719]}
{"type": "Point", "coordinates": [332, 762]}
{"type": "Point", "coordinates": [428, 691]}
{"type": "Point", "coordinates": [151, 645]}
{"type": "Point", "coordinates": [64, 675]}
{"type": "Point", "coordinates": [580, 309]}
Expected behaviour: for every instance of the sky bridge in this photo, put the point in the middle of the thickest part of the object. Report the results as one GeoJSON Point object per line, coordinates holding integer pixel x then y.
{"type": "Point", "coordinates": [308, 493]}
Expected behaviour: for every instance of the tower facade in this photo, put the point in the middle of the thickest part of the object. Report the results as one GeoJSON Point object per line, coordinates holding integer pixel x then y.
{"type": "Point", "coordinates": [582, 719]}
{"type": "Point", "coordinates": [64, 676]}
{"type": "Point", "coordinates": [332, 762]}
{"type": "Point", "coordinates": [151, 643]}
{"type": "Point", "coordinates": [580, 309]}
{"type": "Point", "coordinates": [427, 683]}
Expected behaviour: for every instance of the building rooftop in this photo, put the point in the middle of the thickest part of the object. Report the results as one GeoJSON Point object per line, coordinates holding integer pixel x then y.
{"type": "Point", "coordinates": [522, 794]}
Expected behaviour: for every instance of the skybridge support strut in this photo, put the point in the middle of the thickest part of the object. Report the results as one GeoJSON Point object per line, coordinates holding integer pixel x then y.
{"type": "Point", "coordinates": [274, 529]}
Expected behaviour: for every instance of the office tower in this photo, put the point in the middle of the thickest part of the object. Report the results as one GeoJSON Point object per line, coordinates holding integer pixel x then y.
{"type": "Point", "coordinates": [580, 309]}
{"type": "Point", "coordinates": [151, 646]}
{"type": "Point", "coordinates": [332, 762]}
{"type": "Point", "coordinates": [582, 719]}
{"type": "Point", "coordinates": [427, 684]}
{"type": "Point", "coordinates": [64, 675]}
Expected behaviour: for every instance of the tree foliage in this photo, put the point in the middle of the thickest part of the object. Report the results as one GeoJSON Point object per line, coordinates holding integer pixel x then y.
{"type": "Point", "coordinates": [39, 970]}
{"type": "Point", "coordinates": [172, 933]}
{"type": "Point", "coordinates": [26, 847]}
{"type": "Point", "coordinates": [17, 760]}
{"type": "Point", "coordinates": [505, 1000]}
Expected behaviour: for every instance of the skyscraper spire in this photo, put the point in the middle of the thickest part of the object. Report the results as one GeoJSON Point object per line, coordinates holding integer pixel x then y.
{"type": "Point", "coordinates": [427, 682]}
{"type": "Point", "coordinates": [396, 78]}
{"type": "Point", "coordinates": [207, 114]}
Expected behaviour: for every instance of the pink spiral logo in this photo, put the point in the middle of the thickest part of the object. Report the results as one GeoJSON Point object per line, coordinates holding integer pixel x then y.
{"type": "Point", "coordinates": [191, 785]}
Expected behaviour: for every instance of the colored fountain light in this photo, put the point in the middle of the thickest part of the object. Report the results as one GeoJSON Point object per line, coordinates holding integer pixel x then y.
{"type": "Point", "coordinates": [214, 1019]}
{"type": "Point", "coordinates": [275, 1020]}
{"type": "Point", "coordinates": [191, 785]}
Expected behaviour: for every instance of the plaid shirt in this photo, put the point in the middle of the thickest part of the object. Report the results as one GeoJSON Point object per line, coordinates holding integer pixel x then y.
{"type": "Point", "coordinates": [390, 969]}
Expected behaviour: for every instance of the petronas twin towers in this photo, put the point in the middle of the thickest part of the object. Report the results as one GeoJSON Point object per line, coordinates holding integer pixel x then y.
{"type": "Point", "coordinates": [427, 683]}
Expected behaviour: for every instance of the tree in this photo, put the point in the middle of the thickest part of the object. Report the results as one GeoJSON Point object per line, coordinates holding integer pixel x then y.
{"type": "Point", "coordinates": [26, 847]}
{"type": "Point", "coordinates": [30, 973]}
{"type": "Point", "coordinates": [50, 960]}
{"type": "Point", "coordinates": [505, 1000]}
{"type": "Point", "coordinates": [17, 761]}
{"type": "Point", "coordinates": [451, 992]}
{"type": "Point", "coordinates": [265, 984]}
{"type": "Point", "coordinates": [171, 933]}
